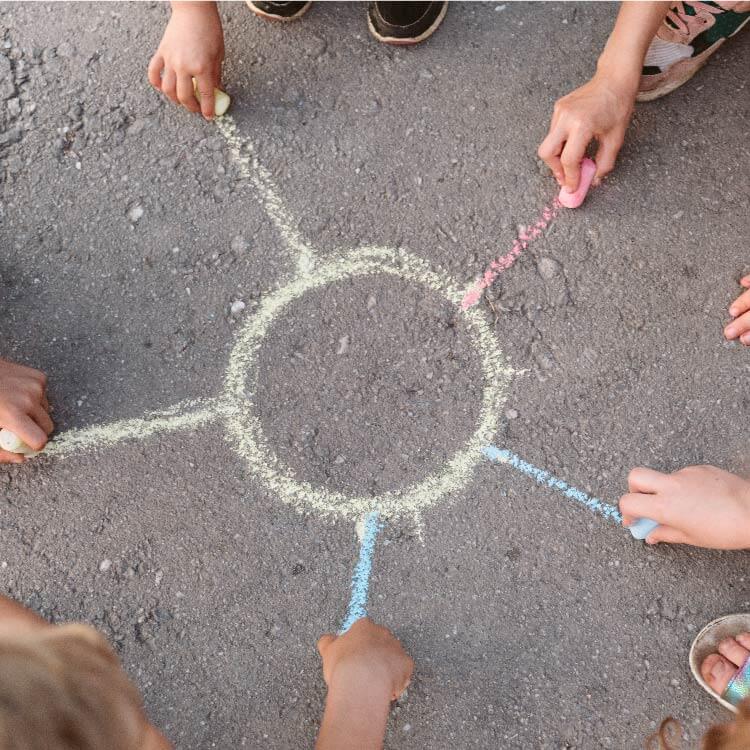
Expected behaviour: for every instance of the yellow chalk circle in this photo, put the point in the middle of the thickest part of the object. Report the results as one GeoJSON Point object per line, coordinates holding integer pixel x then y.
{"type": "Point", "coordinates": [10, 442]}
{"type": "Point", "coordinates": [221, 99]}
{"type": "Point", "coordinates": [244, 426]}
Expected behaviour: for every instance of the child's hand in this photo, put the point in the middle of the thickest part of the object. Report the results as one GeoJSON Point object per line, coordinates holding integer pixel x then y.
{"type": "Point", "coordinates": [192, 47]}
{"type": "Point", "coordinates": [601, 110]}
{"type": "Point", "coordinates": [366, 654]}
{"type": "Point", "coordinates": [23, 407]}
{"type": "Point", "coordinates": [740, 311]}
{"type": "Point", "coordinates": [699, 505]}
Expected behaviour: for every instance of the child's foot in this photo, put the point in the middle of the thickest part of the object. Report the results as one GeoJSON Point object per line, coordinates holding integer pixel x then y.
{"type": "Point", "coordinates": [405, 23]}
{"type": "Point", "coordinates": [278, 11]}
{"type": "Point", "coordinates": [720, 669]}
{"type": "Point", "coordinates": [690, 34]}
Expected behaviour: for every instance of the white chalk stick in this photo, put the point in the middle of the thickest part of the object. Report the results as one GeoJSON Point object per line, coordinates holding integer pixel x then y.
{"type": "Point", "coordinates": [222, 100]}
{"type": "Point", "coordinates": [10, 442]}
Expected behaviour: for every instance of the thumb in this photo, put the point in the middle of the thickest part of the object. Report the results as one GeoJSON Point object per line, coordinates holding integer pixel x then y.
{"type": "Point", "coordinates": [668, 535]}
{"type": "Point", "coordinates": [606, 155]}
{"type": "Point", "coordinates": [10, 458]}
{"type": "Point", "coordinates": [324, 642]}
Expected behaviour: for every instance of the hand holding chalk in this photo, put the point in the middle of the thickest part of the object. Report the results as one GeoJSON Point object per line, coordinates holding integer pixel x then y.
{"type": "Point", "coordinates": [221, 99]}
{"type": "Point", "coordinates": [641, 528]}
{"type": "Point", "coordinates": [10, 442]}
{"type": "Point", "coordinates": [571, 199]}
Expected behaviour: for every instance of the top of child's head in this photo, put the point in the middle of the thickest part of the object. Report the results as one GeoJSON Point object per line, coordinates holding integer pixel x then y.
{"type": "Point", "coordinates": [63, 688]}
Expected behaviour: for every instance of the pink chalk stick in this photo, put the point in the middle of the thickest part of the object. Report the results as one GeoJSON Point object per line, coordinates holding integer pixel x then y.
{"type": "Point", "coordinates": [570, 199]}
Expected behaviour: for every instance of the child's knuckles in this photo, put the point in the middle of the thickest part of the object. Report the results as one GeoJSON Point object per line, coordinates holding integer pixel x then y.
{"type": "Point", "coordinates": [24, 403]}
{"type": "Point", "coordinates": [36, 389]}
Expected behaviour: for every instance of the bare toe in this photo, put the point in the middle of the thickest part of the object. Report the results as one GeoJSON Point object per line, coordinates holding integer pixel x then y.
{"type": "Point", "coordinates": [717, 671]}
{"type": "Point", "coordinates": [733, 651]}
{"type": "Point", "coordinates": [744, 640]}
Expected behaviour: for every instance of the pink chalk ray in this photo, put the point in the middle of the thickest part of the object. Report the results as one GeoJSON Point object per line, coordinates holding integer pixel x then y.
{"type": "Point", "coordinates": [504, 262]}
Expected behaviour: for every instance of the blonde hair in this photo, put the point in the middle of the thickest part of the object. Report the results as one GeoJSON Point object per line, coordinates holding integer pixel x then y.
{"type": "Point", "coordinates": [64, 688]}
{"type": "Point", "coordinates": [733, 735]}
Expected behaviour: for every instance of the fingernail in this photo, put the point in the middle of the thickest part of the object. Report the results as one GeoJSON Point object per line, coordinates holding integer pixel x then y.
{"type": "Point", "coordinates": [733, 311]}
{"type": "Point", "coordinates": [729, 332]}
{"type": "Point", "coordinates": [745, 338]}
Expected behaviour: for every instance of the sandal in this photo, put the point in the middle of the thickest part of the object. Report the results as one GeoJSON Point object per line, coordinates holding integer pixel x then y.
{"type": "Point", "coordinates": [707, 642]}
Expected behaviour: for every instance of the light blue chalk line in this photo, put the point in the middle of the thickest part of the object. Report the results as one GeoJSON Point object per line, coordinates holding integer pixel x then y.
{"type": "Point", "coordinates": [361, 579]}
{"type": "Point", "coordinates": [540, 476]}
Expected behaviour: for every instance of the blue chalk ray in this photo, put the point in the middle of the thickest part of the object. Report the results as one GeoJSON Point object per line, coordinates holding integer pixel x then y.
{"type": "Point", "coordinates": [361, 578]}
{"type": "Point", "coordinates": [544, 478]}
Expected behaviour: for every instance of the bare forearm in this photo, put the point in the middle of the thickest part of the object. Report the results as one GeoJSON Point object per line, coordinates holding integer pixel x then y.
{"type": "Point", "coordinates": [354, 717]}
{"type": "Point", "coordinates": [637, 22]}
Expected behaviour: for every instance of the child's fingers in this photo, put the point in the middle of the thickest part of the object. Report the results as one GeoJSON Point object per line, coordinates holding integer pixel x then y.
{"type": "Point", "coordinates": [745, 281]}
{"type": "Point", "coordinates": [572, 154]}
{"type": "Point", "coordinates": [667, 534]}
{"type": "Point", "coordinates": [740, 305]}
{"type": "Point", "coordinates": [549, 152]}
{"type": "Point", "coordinates": [645, 480]}
{"type": "Point", "coordinates": [10, 458]}
{"type": "Point", "coordinates": [739, 328]}
{"type": "Point", "coordinates": [169, 85]}
{"type": "Point", "coordinates": [155, 68]}
{"type": "Point", "coordinates": [637, 505]}
{"type": "Point", "coordinates": [206, 86]}
{"type": "Point", "coordinates": [43, 419]}
{"type": "Point", "coordinates": [324, 642]}
{"type": "Point", "coordinates": [186, 93]}
{"type": "Point", "coordinates": [26, 429]}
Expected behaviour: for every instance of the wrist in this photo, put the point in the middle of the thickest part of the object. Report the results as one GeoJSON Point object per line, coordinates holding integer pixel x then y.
{"type": "Point", "coordinates": [355, 715]}
{"type": "Point", "coordinates": [623, 78]}
{"type": "Point", "coordinates": [360, 680]}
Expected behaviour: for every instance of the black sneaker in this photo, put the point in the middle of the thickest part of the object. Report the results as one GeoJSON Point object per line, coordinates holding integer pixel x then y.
{"type": "Point", "coordinates": [278, 11]}
{"type": "Point", "coordinates": [404, 23]}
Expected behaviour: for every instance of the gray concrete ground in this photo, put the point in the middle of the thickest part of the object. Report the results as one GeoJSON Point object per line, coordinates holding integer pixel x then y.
{"type": "Point", "coordinates": [534, 624]}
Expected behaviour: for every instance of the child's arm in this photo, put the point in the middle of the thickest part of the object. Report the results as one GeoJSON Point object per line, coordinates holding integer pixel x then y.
{"type": "Point", "coordinates": [699, 505]}
{"type": "Point", "coordinates": [601, 109]}
{"type": "Point", "coordinates": [365, 669]}
{"type": "Point", "coordinates": [192, 47]}
{"type": "Point", "coordinates": [23, 407]}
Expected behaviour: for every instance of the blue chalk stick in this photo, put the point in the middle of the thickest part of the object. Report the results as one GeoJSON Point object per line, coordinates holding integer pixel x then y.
{"type": "Point", "coordinates": [642, 528]}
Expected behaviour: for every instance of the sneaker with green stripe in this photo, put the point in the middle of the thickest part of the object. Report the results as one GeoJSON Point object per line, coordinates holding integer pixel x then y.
{"type": "Point", "coordinates": [690, 34]}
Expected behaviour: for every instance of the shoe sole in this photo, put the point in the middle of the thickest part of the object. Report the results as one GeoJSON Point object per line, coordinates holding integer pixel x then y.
{"type": "Point", "coordinates": [683, 77]}
{"type": "Point", "coordinates": [398, 42]}
{"type": "Point", "coordinates": [281, 19]}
